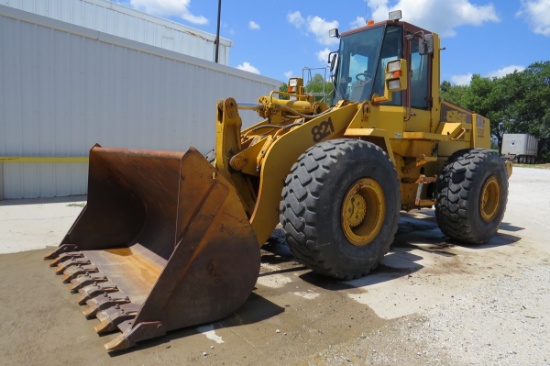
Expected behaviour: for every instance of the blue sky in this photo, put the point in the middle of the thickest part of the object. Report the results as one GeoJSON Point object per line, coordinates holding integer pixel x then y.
{"type": "Point", "coordinates": [278, 38]}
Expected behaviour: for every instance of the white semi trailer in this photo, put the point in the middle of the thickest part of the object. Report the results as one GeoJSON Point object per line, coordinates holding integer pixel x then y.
{"type": "Point", "coordinates": [520, 147]}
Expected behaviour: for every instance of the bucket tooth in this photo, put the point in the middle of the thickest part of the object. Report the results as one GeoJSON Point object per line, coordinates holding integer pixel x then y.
{"type": "Point", "coordinates": [112, 317]}
{"type": "Point", "coordinates": [108, 326]}
{"type": "Point", "coordinates": [94, 290]}
{"type": "Point", "coordinates": [85, 280]}
{"type": "Point", "coordinates": [65, 257]}
{"type": "Point", "coordinates": [74, 272]}
{"type": "Point", "coordinates": [134, 333]}
{"type": "Point", "coordinates": [72, 262]}
{"type": "Point", "coordinates": [103, 302]}
{"type": "Point", "coordinates": [63, 248]}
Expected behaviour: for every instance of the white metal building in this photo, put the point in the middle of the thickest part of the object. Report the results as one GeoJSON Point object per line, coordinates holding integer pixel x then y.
{"type": "Point", "coordinates": [118, 20]}
{"type": "Point", "coordinates": [65, 87]}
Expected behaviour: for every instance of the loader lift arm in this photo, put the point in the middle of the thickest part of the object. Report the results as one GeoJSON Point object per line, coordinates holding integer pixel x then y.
{"type": "Point", "coordinates": [270, 157]}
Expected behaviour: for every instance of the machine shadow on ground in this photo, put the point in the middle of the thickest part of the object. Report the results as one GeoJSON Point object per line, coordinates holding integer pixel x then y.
{"type": "Point", "coordinates": [256, 309]}
{"type": "Point", "coordinates": [417, 232]}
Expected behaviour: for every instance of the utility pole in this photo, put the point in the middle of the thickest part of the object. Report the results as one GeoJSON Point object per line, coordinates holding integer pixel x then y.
{"type": "Point", "coordinates": [218, 30]}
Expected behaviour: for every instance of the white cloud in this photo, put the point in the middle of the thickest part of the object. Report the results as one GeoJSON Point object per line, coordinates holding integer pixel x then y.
{"type": "Point", "coordinates": [436, 15]}
{"type": "Point", "coordinates": [314, 25]}
{"type": "Point", "coordinates": [536, 13]}
{"type": "Point", "coordinates": [296, 19]}
{"type": "Point", "coordinates": [461, 79]}
{"type": "Point", "coordinates": [246, 66]}
{"type": "Point", "coordinates": [376, 3]}
{"type": "Point", "coordinates": [169, 8]}
{"type": "Point", "coordinates": [289, 74]}
{"type": "Point", "coordinates": [320, 27]}
{"type": "Point", "coordinates": [358, 22]}
{"type": "Point", "coordinates": [323, 55]}
{"type": "Point", "coordinates": [253, 25]}
{"type": "Point", "coordinates": [505, 71]}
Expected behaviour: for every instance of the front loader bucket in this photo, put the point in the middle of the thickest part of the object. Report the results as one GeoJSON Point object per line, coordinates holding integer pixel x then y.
{"type": "Point", "coordinates": [163, 243]}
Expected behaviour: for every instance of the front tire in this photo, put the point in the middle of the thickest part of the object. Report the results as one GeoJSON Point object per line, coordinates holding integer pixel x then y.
{"type": "Point", "coordinates": [340, 207]}
{"type": "Point", "coordinates": [471, 196]}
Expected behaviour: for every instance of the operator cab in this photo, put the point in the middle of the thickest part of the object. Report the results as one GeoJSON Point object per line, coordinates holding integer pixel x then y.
{"type": "Point", "coordinates": [358, 68]}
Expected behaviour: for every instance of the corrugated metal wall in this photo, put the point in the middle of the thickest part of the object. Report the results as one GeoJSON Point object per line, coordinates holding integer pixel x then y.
{"type": "Point", "coordinates": [65, 88]}
{"type": "Point", "coordinates": [115, 19]}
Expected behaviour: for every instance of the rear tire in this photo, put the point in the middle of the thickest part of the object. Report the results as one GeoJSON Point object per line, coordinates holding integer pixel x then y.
{"type": "Point", "coordinates": [471, 196]}
{"type": "Point", "coordinates": [340, 207]}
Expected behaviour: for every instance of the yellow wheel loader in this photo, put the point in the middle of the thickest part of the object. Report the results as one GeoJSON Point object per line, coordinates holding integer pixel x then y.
{"type": "Point", "coordinates": [170, 240]}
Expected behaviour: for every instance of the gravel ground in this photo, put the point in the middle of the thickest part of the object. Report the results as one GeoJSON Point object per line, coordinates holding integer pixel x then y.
{"type": "Point", "coordinates": [431, 302]}
{"type": "Point", "coordinates": [502, 322]}
{"type": "Point", "coordinates": [496, 312]}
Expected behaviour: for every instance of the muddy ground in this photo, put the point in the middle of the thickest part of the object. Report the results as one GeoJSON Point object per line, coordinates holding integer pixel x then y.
{"type": "Point", "coordinates": [430, 302]}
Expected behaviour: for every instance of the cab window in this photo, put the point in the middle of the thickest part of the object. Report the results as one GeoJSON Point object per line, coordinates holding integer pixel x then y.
{"type": "Point", "coordinates": [391, 50]}
{"type": "Point", "coordinates": [419, 87]}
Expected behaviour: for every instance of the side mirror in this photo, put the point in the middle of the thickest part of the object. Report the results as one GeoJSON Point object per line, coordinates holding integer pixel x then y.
{"type": "Point", "coordinates": [395, 80]}
{"type": "Point", "coordinates": [426, 44]}
{"type": "Point", "coordinates": [333, 59]}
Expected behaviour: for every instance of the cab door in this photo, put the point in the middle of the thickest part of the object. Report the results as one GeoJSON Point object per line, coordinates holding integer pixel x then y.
{"type": "Point", "coordinates": [418, 96]}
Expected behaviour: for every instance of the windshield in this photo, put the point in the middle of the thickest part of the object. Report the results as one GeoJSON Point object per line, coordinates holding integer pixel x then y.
{"type": "Point", "coordinates": [362, 59]}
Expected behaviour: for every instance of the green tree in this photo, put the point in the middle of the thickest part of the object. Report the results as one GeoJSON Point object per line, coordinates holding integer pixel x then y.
{"type": "Point", "coordinates": [283, 88]}
{"type": "Point", "coordinates": [516, 103]}
{"type": "Point", "coordinates": [453, 93]}
{"type": "Point", "coordinates": [320, 88]}
{"type": "Point", "coordinates": [533, 110]}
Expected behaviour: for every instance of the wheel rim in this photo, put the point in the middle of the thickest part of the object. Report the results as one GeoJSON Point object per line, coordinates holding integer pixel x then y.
{"type": "Point", "coordinates": [490, 199]}
{"type": "Point", "coordinates": [363, 212]}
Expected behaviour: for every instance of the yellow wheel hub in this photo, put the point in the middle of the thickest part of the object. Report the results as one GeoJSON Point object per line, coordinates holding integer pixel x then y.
{"type": "Point", "coordinates": [490, 199]}
{"type": "Point", "coordinates": [363, 212]}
